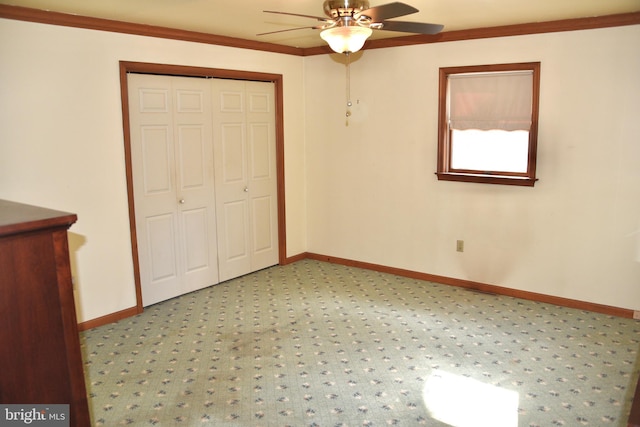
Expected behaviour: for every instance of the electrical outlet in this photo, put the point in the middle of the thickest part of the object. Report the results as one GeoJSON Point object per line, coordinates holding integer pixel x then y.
{"type": "Point", "coordinates": [636, 315]}
{"type": "Point", "coordinates": [460, 245]}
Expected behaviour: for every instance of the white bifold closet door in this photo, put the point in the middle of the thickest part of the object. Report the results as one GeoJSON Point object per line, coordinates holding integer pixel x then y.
{"type": "Point", "coordinates": [245, 169]}
{"type": "Point", "coordinates": [184, 243]}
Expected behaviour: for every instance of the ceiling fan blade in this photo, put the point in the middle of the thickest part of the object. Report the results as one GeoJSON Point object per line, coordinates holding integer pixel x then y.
{"type": "Point", "coordinates": [411, 27]}
{"type": "Point", "coordinates": [317, 27]}
{"type": "Point", "coordinates": [387, 11]}
{"type": "Point", "coordinates": [319, 18]}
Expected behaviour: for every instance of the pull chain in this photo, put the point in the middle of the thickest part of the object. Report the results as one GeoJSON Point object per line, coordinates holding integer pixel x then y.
{"type": "Point", "coordinates": [348, 87]}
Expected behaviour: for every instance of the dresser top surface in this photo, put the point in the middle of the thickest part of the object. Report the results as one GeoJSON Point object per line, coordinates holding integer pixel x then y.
{"type": "Point", "coordinates": [21, 218]}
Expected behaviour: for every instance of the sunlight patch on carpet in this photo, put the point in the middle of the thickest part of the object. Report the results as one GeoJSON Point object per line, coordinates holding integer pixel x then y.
{"type": "Point", "coordinates": [464, 402]}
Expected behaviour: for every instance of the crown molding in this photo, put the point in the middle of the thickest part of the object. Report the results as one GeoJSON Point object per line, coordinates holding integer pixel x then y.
{"type": "Point", "coordinates": [576, 24]}
{"type": "Point", "coordinates": [63, 19]}
{"type": "Point", "coordinates": [68, 20]}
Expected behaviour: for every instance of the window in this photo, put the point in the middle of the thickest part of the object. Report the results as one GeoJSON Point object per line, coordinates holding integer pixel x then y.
{"type": "Point", "coordinates": [488, 121]}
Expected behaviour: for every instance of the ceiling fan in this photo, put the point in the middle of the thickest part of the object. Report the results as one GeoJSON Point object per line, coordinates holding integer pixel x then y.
{"type": "Point", "coordinates": [349, 23]}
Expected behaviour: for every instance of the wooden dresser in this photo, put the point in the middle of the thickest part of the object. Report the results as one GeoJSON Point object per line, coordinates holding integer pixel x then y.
{"type": "Point", "coordinates": [40, 354]}
{"type": "Point", "coordinates": [634, 416]}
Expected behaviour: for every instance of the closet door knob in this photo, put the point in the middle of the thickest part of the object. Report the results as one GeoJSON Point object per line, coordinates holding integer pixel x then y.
{"type": "Point", "coordinates": [246, 189]}
{"type": "Point", "coordinates": [181, 201]}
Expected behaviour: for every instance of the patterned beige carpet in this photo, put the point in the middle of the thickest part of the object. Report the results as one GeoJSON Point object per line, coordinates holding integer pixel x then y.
{"type": "Point", "coordinates": [318, 344]}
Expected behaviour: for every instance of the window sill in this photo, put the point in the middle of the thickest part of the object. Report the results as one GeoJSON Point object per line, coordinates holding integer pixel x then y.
{"type": "Point", "coordinates": [487, 179]}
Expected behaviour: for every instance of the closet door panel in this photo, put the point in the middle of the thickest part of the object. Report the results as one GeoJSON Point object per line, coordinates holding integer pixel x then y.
{"type": "Point", "coordinates": [232, 191]}
{"type": "Point", "coordinates": [195, 230]}
{"type": "Point", "coordinates": [161, 238]}
{"type": "Point", "coordinates": [260, 121]}
{"type": "Point", "coordinates": [244, 119]}
{"type": "Point", "coordinates": [173, 183]}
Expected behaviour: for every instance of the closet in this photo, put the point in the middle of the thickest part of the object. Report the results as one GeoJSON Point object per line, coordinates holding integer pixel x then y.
{"type": "Point", "coordinates": [204, 180]}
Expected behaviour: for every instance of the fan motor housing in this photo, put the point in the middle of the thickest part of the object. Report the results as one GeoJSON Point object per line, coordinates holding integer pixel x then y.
{"type": "Point", "coordinates": [344, 8]}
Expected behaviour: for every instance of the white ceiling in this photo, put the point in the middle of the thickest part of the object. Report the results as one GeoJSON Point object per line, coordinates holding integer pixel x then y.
{"type": "Point", "coordinates": [245, 18]}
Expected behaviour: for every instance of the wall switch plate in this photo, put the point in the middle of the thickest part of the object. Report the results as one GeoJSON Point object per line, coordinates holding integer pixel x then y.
{"type": "Point", "coordinates": [636, 314]}
{"type": "Point", "coordinates": [460, 245]}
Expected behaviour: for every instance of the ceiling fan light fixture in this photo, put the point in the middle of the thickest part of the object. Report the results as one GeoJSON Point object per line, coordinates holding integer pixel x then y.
{"type": "Point", "coordinates": [346, 39]}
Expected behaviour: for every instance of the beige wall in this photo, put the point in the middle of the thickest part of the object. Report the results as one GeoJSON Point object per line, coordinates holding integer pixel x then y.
{"type": "Point", "coordinates": [61, 141]}
{"type": "Point", "coordinates": [367, 191]}
{"type": "Point", "coordinates": [373, 195]}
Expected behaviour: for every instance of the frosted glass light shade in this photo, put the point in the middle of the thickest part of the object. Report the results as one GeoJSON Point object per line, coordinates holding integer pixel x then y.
{"type": "Point", "coordinates": [346, 39]}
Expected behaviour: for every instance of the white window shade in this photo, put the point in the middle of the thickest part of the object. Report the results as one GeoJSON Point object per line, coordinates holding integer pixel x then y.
{"type": "Point", "coordinates": [486, 101]}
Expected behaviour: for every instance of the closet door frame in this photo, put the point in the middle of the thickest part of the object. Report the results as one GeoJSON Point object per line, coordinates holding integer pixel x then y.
{"type": "Point", "coordinates": [127, 67]}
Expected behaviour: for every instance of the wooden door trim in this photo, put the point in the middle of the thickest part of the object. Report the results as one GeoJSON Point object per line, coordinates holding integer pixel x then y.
{"type": "Point", "coordinates": [127, 67]}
